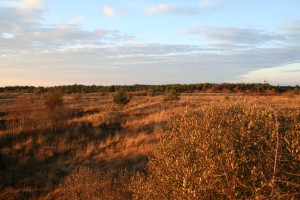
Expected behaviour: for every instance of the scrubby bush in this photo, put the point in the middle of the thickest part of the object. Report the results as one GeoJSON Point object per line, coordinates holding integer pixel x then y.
{"type": "Point", "coordinates": [150, 93]}
{"type": "Point", "coordinates": [172, 95]}
{"type": "Point", "coordinates": [121, 98]}
{"type": "Point", "coordinates": [20, 114]}
{"type": "Point", "coordinates": [54, 104]}
{"type": "Point", "coordinates": [84, 183]}
{"type": "Point", "coordinates": [229, 152]}
{"type": "Point", "coordinates": [296, 90]}
{"type": "Point", "coordinates": [77, 96]}
{"type": "Point", "coordinates": [54, 100]}
{"type": "Point", "coordinates": [289, 94]}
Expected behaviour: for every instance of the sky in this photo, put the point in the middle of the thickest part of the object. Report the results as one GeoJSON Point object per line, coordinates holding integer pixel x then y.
{"type": "Point", "coordinates": [116, 42]}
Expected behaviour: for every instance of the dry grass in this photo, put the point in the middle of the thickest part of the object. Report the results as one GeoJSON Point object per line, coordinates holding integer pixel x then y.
{"type": "Point", "coordinates": [99, 135]}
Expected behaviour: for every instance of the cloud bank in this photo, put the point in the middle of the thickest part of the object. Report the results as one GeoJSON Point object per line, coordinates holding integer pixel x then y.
{"type": "Point", "coordinates": [30, 4]}
{"type": "Point", "coordinates": [236, 35]}
{"type": "Point", "coordinates": [206, 5]}
{"type": "Point", "coordinates": [32, 53]}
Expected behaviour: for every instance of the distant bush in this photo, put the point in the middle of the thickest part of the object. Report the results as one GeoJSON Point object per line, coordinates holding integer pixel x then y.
{"type": "Point", "coordinates": [54, 103]}
{"type": "Point", "coordinates": [77, 96]}
{"type": "Point", "coordinates": [296, 90]}
{"type": "Point", "coordinates": [53, 100]}
{"type": "Point", "coordinates": [271, 91]}
{"type": "Point", "coordinates": [28, 115]}
{"type": "Point", "coordinates": [150, 93]}
{"type": "Point", "coordinates": [230, 152]}
{"type": "Point", "coordinates": [121, 98]}
{"type": "Point", "coordinates": [172, 95]}
{"type": "Point", "coordinates": [216, 88]}
{"type": "Point", "coordinates": [289, 94]}
{"type": "Point", "coordinates": [21, 114]}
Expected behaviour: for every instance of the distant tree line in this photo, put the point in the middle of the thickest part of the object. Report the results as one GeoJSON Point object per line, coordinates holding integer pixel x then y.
{"type": "Point", "coordinates": [200, 87]}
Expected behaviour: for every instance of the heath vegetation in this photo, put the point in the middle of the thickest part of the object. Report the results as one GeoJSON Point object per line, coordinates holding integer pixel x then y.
{"type": "Point", "coordinates": [217, 141]}
{"type": "Point", "coordinates": [226, 152]}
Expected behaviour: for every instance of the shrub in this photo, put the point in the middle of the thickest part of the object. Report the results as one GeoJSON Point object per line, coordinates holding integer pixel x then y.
{"type": "Point", "coordinates": [296, 90]}
{"type": "Point", "coordinates": [21, 114]}
{"type": "Point", "coordinates": [172, 95]}
{"type": "Point", "coordinates": [84, 183]}
{"type": "Point", "coordinates": [121, 98]}
{"type": "Point", "coordinates": [230, 152]}
{"type": "Point", "coordinates": [54, 103]}
{"type": "Point", "coordinates": [271, 91]}
{"type": "Point", "coordinates": [150, 93]}
{"type": "Point", "coordinates": [289, 94]}
{"type": "Point", "coordinates": [53, 100]}
{"type": "Point", "coordinates": [77, 96]}
{"type": "Point", "coordinates": [27, 115]}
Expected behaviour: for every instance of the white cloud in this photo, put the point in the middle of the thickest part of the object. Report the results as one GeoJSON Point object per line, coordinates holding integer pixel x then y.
{"type": "Point", "coordinates": [109, 11]}
{"type": "Point", "coordinates": [180, 10]}
{"type": "Point", "coordinates": [292, 29]}
{"type": "Point", "coordinates": [7, 35]}
{"type": "Point", "coordinates": [292, 26]}
{"type": "Point", "coordinates": [75, 20]}
{"type": "Point", "coordinates": [283, 75]}
{"type": "Point", "coordinates": [147, 63]}
{"type": "Point", "coordinates": [163, 7]}
{"type": "Point", "coordinates": [31, 4]}
{"type": "Point", "coordinates": [172, 9]}
{"type": "Point", "coordinates": [32, 35]}
{"type": "Point", "coordinates": [210, 4]}
{"type": "Point", "coordinates": [235, 35]}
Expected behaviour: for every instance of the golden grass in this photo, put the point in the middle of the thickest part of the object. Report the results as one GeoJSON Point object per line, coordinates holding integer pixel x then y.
{"type": "Point", "coordinates": [98, 135]}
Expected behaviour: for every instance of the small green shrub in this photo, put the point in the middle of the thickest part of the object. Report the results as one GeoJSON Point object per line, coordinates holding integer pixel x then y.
{"type": "Point", "coordinates": [226, 153]}
{"type": "Point", "coordinates": [121, 98]}
{"type": "Point", "coordinates": [172, 96]}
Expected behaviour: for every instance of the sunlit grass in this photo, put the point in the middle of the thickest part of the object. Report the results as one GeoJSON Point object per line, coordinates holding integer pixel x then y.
{"type": "Point", "coordinates": [97, 136]}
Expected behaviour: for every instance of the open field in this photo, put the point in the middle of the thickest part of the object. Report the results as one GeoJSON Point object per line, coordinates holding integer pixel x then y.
{"type": "Point", "coordinates": [105, 142]}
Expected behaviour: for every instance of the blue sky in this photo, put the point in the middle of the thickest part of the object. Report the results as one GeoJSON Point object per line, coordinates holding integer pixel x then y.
{"type": "Point", "coordinates": [55, 42]}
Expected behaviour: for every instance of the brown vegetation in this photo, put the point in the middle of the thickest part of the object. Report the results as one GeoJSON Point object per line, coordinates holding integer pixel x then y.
{"type": "Point", "coordinates": [56, 146]}
{"type": "Point", "coordinates": [227, 152]}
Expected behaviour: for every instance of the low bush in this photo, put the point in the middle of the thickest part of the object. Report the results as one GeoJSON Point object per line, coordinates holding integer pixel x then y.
{"type": "Point", "coordinates": [84, 183]}
{"type": "Point", "coordinates": [54, 106]}
{"type": "Point", "coordinates": [172, 95]}
{"type": "Point", "coordinates": [230, 152]}
{"type": "Point", "coordinates": [121, 98]}
{"type": "Point", "coordinates": [289, 94]}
